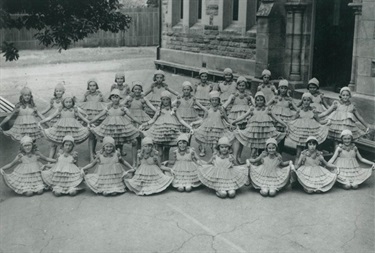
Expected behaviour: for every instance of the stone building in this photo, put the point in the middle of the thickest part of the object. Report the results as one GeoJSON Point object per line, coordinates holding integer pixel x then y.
{"type": "Point", "coordinates": [333, 40]}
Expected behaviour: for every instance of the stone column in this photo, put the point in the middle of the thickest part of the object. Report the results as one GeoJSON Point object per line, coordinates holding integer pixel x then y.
{"type": "Point", "coordinates": [357, 7]}
{"type": "Point", "coordinates": [294, 33]}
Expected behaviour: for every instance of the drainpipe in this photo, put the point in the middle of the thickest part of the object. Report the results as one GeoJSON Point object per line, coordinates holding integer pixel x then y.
{"type": "Point", "coordinates": [160, 26]}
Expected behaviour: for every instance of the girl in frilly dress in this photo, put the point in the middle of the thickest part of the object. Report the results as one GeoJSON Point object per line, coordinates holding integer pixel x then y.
{"type": "Point", "coordinates": [221, 173]}
{"type": "Point", "coordinates": [318, 102]}
{"type": "Point", "coordinates": [55, 102]}
{"type": "Point", "coordinates": [149, 176]}
{"type": "Point", "coordinates": [202, 90]}
{"type": "Point", "coordinates": [346, 157]}
{"type": "Point", "coordinates": [110, 170]}
{"type": "Point", "coordinates": [227, 87]}
{"type": "Point", "coordinates": [120, 85]}
{"type": "Point", "coordinates": [310, 174]}
{"type": "Point", "coordinates": [268, 89]}
{"type": "Point", "coordinates": [64, 177]}
{"type": "Point", "coordinates": [26, 178]}
{"type": "Point", "coordinates": [272, 174]}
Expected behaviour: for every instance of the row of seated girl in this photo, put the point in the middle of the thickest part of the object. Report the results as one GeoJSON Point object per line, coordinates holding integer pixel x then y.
{"type": "Point", "coordinates": [113, 175]}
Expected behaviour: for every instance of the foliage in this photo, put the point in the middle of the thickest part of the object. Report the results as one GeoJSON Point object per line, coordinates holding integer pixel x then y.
{"type": "Point", "coordinates": [59, 23]}
{"type": "Point", "coordinates": [152, 3]}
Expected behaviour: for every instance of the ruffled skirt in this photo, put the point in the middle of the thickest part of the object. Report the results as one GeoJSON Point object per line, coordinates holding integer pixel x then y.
{"type": "Point", "coordinates": [24, 125]}
{"type": "Point", "coordinates": [236, 112]}
{"type": "Point", "coordinates": [107, 179]}
{"type": "Point", "coordinates": [185, 174]}
{"type": "Point", "coordinates": [269, 177]}
{"type": "Point", "coordinates": [164, 132]}
{"type": "Point", "coordinates": [316, 178]}
{"type": "Point", "coordinates": [92, 109]}
{"type": "Point", "coordinates": [140, 115]}
{"type": "Point", "coordinates": [25, 178]}
{"type": "Point", "coordinates": [350, 172]}
{"type": "Point", "coordinates": [300, 129]}
{"type": "Point", "coordinates": [341, 121]}
{"type": "Point", "coordinates": [211, 131]}
{"type": "Point", "coordinates": [118, 127]}
{"type": "Point", "coordinates": [285, 114]}
{"type": "Point", "coordinates": [64, 127]}
{"type": "Point", "coordinates": [189, 115]}
{"type": "Point", "coordinates": [223, 179]}
{"type": "Point", "coordinates": [148, 179]}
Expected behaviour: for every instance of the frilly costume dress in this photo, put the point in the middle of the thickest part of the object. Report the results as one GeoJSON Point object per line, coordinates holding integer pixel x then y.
{"type": "Point", "coordinates": [165, 129]}
{"type": "Point", "coordinates": [56, 104]}
{"type": "Point", "coordinates": [108, 175]}
{"type": "Point", "coordinates": [222, 175]}
{"type": "Point", "coordinates": [281, 108]}
{"type": "Point", "coordinates": [148, 177]}
{"type": "Point", "coordinates": [186, 110]}
{"type": "Point", "coordinates": [117, 126]}
{"type": "Point", "coordinates": [350, 171]}
{"type": "Point", "coordinates": [240, 106]}
{"type": "Point", "coordinates": [67, 125]}
{"type": "Point", "coordinates": [155, 96]}
{"type": "Point", "coordinates": [317, 102]}
{"type": "Point", "coordinates": [226, 89]}
{"type": "Point", "coordinates": [304, 126]}
{"type": "Point", "coordinates": [260, 127]}
{"type": "Point", "coordinates": [270, 174]}
{"type": "Point", "coordinates": [64, 177]}
{"type": "Point", "coordinates": [312, 176]}
{"type": "Point", "coordinates": [343, 118]}
{"type": "Point", "coordinates": [25, 124]}
{"type": "Point", "coordinates": [137, 107]}
{"type": "Point", "coordinates": [26, 177]}
{"type": "Point", "coordinates": [185, 169]}
{"type": "Point", "coordinates": [93, 104]}
{"type": "Point", "coordinates": [268, 91]}
{"type": "Point", "coordinates": [213, 128]}
{"type": "Point", "coordinates": [124, 89]}
{"type": "Point", "coordinates": [202, 91]}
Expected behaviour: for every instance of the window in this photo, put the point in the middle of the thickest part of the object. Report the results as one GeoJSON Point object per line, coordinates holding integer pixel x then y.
{"type": "Point", "coordinates": [182, 9]}
{"type": "Point", "coordinates": [235, 9]}
{"type": "Point", "coordinates": [199, 9]}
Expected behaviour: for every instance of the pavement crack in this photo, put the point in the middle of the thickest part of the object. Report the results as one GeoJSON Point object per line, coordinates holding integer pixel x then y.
{"type": "Point", "coordinates": [354, 232]}
{"type": "Point", "coordinates": [45, 246]}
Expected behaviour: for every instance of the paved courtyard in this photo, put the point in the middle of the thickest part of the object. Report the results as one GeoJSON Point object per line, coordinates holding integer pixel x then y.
{"type": "Point", "coordinates": [293, 221]}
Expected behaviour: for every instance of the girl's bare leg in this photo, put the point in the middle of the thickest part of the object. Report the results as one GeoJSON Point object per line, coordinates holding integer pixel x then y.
{"type": "Point", "coordinates": [134, 152]}
{"type": "Point", "coordinates": [237, 150]}
{"type": "Point", "coordinates": [166, 153]}
{"type": "Point", "coordinates": [52, 151]}
{"type": "Point", "coordinates": [92, 146]}
{"type": "Point", "coordinates": [299, 150]}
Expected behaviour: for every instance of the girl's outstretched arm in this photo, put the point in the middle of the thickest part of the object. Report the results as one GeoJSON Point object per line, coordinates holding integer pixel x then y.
{"type": "Point", "coordinates": [243, 116]}
{"type": "Point", "coordinates": [272, 101]}
{"type": "Point", "coordinates": [183, 122]}
{"type": "Point", "coordinates": [229, 101]}
{"type": "Point", "coordinates": [101, 114]}
{"type": "Point", "coordinates": [171, 91]}
{"type": "Point", "coordinates": [127, 113]}
{"type": "Point", "coordinates": [47, 109]}
{"type": "Point", "coordinates": [335, 155]}
{"type": "Point", "coordinates": [328, 111]}
{"type": "Point", "coordinates": [363, 160]}
{"type": "Point", "coordinates": [359, 117]}
{"type": "Point", "coordinates": [50, 117]}
{"type": "Point", "coordinates": [200, 105]}
{"type": "Point", "coordinates": [41, 156]}
{"type": "Point", "coordinates": [148, 103]}
{"type": "Point", "coordinates": [11, 164]}
{"type": "Point", "coordinates": [278, 120]}
{"type": "Point", "coordinates": [83, 118]}
{"type": "Point", "coordinates": [327, 164]}
{"type": "Point", "coordinates": [90, 165]}
{"type": "Point", "coordinates": [7, 118]}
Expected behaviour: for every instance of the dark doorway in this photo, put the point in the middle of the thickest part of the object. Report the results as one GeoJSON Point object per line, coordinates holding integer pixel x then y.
{"type": "Point", "coordinates": [333, 43]}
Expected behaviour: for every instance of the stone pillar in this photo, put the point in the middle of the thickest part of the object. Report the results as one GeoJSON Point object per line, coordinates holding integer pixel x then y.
{"type": "Point", "coordinates": [357, 7]}
{"type": "Point", "coordinates": [294, 34]}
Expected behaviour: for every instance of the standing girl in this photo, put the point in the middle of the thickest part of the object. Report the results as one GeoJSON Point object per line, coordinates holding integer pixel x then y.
{"type": "Point", "coordinates": [213, 126]}
{"type": "Point", "coordinates": [108, 176]}
{"type": "Point", "coordinates": [185, 166]}
{"type": "Point", "coordinates": [268, 89]}
{"type": "Point", "coordinates": [93, 104]}
{"type": "Point", "coordinates": [260, 127]}
{"type": "Point", "coordinates": [186, 106]}
{"type": "Point", "coordinates": [239, 102]}
{"type": "Point", "coordinates": [312, 176]}
{"type": "Point", "coordinates": [165, 126]}
{"type": "Point", "coordinates": [317, 97]}
{"type": "Point", "coordinates": [66, 125]}
{"type": "Point", "coordinates": [26, 178]}
{"type": "Point", "coordinates": [149, 177]}
{"type": "Point", "coordinates": [227, 87]}
{"type": "Point", "coordinates": [306, 123]}
{"type": "Point", "coordinates": [64, 177]}
{"type": "Point", "coordinates": [157, 87]}
{"type": "Point", "coordinates": [202, 90]}
{"type": "Point", "coordinates": [343, 115]}
{"type": "Point", "coordinates": [55, 102]}
{"type": "Point", "coordinates": [120, 85]}
{"type": "Point", "coordinates": [26, 118]}
{"type": "Point", "coordinates": [346, 157]}
{"type": "Point", "coordinates": [221, 174]}
{"type": "Point", "coordinates": [272, 174]}
{"type": "Point", "coordinates": [117, 125]}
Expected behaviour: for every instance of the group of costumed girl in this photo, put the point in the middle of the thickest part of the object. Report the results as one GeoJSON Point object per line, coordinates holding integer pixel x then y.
{"type": "Point", "coordinates": [224, 117]}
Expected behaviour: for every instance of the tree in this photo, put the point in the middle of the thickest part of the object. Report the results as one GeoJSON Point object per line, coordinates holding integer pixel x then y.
{"type": "Point", "coordinates": [152, 3]}
{"type": "Point", "coordinates": [59, 23]}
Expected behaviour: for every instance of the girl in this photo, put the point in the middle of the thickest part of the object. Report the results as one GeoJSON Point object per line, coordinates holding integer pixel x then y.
{"type": "Point", "coordinates": [116, 125]}
{"type": "Point", "coordinates": [240, 102]}
{"type": "Point", "coordinates": [282, 105]}
{"type": "Point", "coordinates": [108, 176]}
{"type": "Point", "coordinates": [272, 174]}
{"type": "Point", "coordinates": [306, 123]}
{"type": "Point", "coordinates": [186, 106]}
{"type": "Point", "coordinates": [26, 118]}
{"type": "Point", "coordinates": [213, 126]}
{"type": "Point", "coordinates": [317, 97]}
{"type": "Point", "coordinates": [93, 104]}
{"type": "Point", "coordinates": [260, 127]}
{"type": "Point", "coordinates": [26, 178]}
{"type": "Point", "coordinates": [157, 87]}
{"type": "Point", "coordinates": [185, 165]}
{"type": "Point", "coordinates": [149, 177]}
{"type": "Point", "coordinates": [268, 89]}
{"type": "Point", "coordinates": [121, 85]}
{"type": "Point", "coordinates": [202, 90]}
{"type": "Point", "coordinates": [66, 125]}
{"type": "Point", "coordinates": [165, 126]}
{"type": "Point", "coordinates": [227, 87]}
{"type": "Point", "coordinates": [343, 115]}
{"type": "Point", "coordinates": [312, 176]}
{"type": "Point", "coordinates": [346, 158]}
{"type": "Point", "coordinates": [55, 102]}
{"type": "Point", "coordinates": [64, 177]}
{"type": "Point", "coordinates": [221, 174]}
